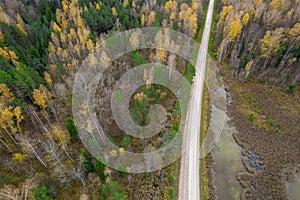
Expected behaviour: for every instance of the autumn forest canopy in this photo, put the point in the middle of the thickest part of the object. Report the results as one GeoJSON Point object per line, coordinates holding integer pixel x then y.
{"type": "Point", "coordinates": [44, 42]}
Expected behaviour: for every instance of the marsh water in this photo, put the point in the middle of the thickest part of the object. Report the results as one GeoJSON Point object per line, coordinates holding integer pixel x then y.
{"type": "Point", "coordinates": [228, 157]}
{"type": "Point", "coordinates": [228, 164]}
{"type": "Point", "coordinates": [293, 189]}
{"type": "Point", "coordinates": [227, 153]}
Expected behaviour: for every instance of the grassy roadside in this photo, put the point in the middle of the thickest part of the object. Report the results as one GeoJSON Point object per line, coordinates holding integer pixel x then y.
{"type": "Point", "coordinates": [202, 25]}
{"type": "Point", "coordinates": [204, 189]}
{"type": "Point", "coordinates": [212, 50]}
{"type": "Point", "coordinates": [212, 47]}
{"type": "Point", "coordinates": [175, 169]}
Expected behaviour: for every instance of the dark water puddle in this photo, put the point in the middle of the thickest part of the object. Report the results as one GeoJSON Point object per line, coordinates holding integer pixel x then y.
{"type": "Point", "coordinates": [254, 160]}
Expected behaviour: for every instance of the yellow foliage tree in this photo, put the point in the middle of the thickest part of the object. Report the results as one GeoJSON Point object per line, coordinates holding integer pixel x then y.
{"type": "Point", "coordinates": [183, 8]}
{"type": "Point", "coordinates": [140, 97]}
{"type": "Point", "coordinates": [56, 27]}
{"type": "Point", "coordinates": [143, 20]}
{"type": "Point", "coordinates": [290, 12]}
{"type": "Point", "coordinates": [270, 43]}
{"type": "Point", "coordinates": [163, 39]}
{"type": "Point", "coordinates": [195, 6]}
{"type": "Point", "coordinates": [2, 38]}
{"type": "Point", "coordinates": [97, 6]}
{"type": "Point", "coordinates": [20, 20]}
{"type": "Point", "coordinates": [59, 134]}
{"type": "Point", "coordinates": [225, 11]}
{"type": "Point", "coordinates": [90, 45]}
{"type": "Point", "coordinates": [64, 6]}
{"type": "Point", "coordinates": [18, 157]}
{"type": "Point", "coordinates": [114, 11]}
{"type": "Point", "coordinates": [41, 96]}
{"type": "Point", "coordinates": [47, 78]}
{"type": "Point", "coordinates": [245, 19]}
{"type": "Point", "coordinates": [235, 29]}
{"type": "Point", "coordinates": [160, 55]}
{"type": "Point", "coordinates": [133, 4]}
{"type": "Point", "coordinates": [193, 25]}
{"type": "Point", "coordinates": [18, 114]}
{"type": "Point", "coordinates": [4, 54]}
{"type": "Point", "coordinates": [79, 22]}
{"type": "Point", "coordinates": [134, 39]}
{"type": "Point", "coordinates": [63, 38]}
{"type": "Point", "coordinates": [12, 55]}
{"type": "Point", "coordinates": [172, 16]}
{"type": "Point", "coordinates": [151, 18]}
{"type": "Point", "coordinates": [122, 151]}
{"type": "Point", "coordinates": [189, 19]}
{"type": "Point", "coordinates": [6, 93]}
{"type": "Point", "coordinates": [9, 56]}
{"type": "Point", "coordinates": [71, 47]}
{"type": "Point", "coordinates": [6, 116]}
{"type": "Point", "coordinates": [277, 4]}
{"type": "Point", "coordinates": [170, 6]}
{"type": "Point", "coordinates": [1, 15]}
{"type": "Point", "coordinates": [105, 59]}
{"type": "Point", "coordinates": [8, 113]}
{"type": "Point", "coordinates": [295, 32]}
{"type": "Point", "coordinates": [125, 2]}
{"type": "Point", "coordinates": [258, 2]}
{"type": "Point", "coordinates": [20, 28]}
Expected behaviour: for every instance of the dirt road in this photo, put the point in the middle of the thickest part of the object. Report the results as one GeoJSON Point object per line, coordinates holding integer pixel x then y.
{"type": "Point", "coordinates": [189, 187]}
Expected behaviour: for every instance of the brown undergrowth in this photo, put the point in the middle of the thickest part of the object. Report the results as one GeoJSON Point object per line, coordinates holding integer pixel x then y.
{"type": "Point", "coordinates": [267, 120]}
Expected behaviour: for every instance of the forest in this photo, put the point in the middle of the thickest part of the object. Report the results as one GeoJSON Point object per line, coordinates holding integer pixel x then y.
{"type": "Point", "coordinates": [43, 44]}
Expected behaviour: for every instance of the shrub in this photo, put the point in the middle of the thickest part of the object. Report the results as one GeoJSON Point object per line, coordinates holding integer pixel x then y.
{"type": "Point", "coordinates": [176, 125]}
{"type": "Point", "coordinates": [72, 129]}
{"type": "Point", "coordinates": [100, 167]}
{"type": "Point", "coordinates": [4, 180]}
{"type": "Point", "coordinates": [137, 59]}
{"type": "Point", "coordinates": [189, 72]}
{"type": "Point", "coordinates": [105, 190]}
{"type": "Point", "coordinates": [279, 125]}
{"type": "Point", "coordinates": [42, 193]}
{"type": "Point", "coordinates": [170, 179]}
{"type": "Point", "coordinates": [88, 162]}
{"type": "Point", "coordinates": [126, 141]}
{"type": "Point", "coordinates": [251, 117]}
{"type": "Point", "coordinates": [271, 121]}
{"type": "Point", "coordinates": [278, 131]}
{"type": "Point", "coordinates": [112, 191]}
{"type": "Point", "coordinates": [291, 89]}
{"type": "Point", "coordinates": [171, 193]}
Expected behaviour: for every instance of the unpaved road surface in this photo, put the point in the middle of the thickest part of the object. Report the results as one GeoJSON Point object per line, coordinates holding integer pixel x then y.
{"type": "Point", "coordinates": [189, 187]}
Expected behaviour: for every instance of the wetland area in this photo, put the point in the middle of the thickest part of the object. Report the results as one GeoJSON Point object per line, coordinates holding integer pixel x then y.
{"type": "Point", "coordinates": [258, 156]}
